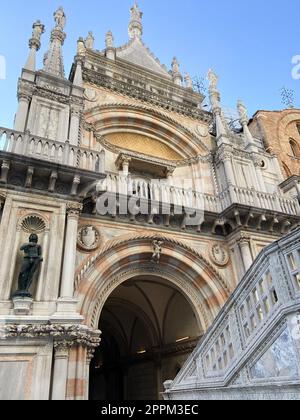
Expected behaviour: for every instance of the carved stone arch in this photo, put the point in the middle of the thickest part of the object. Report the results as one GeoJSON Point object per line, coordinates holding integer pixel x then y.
{"type": "Point", "coordinates": [121, 260]}
{"type": "Point", "coordinates": [109, 117]}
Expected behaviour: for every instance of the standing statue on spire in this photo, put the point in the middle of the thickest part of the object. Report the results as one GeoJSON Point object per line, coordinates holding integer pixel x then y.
{"type": "Point", "coordinates": [135, 27]}
{"type": "Point", "coordinates": [60, 19]}
{"type": "Point", "coordinates": [38, 30]}
{"type": "Point", "coordinates": [213, 79]}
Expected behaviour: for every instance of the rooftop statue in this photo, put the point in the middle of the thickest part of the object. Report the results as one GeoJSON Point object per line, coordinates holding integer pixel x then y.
{"type": "Point", "coordinates": [38, 30]}
{"type": "Point", "coordinates": [213, 79]}
{"type": "Point", "coordinates": [60, 19]}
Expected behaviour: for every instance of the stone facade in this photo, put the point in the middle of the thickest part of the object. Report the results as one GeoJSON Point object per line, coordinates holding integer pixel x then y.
{"type": "Point", "coordinates": [149, 211]}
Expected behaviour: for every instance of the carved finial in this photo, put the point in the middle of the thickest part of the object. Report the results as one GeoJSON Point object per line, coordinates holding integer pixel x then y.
{"type": "Point", "coordinates": [135, 27]}
{"type": "Point", "coordinates": [109, 40]}
{"type": "Point", "coordinates": [213, 79]}
{"type": "Point", "coordinates": [243, 112]}
{"type": "Point", "coordinates": [188, 81]}
{"type": "Point", "coordinates": [60, 19]}
{"type": "Point", "coordinates": [89, 41]}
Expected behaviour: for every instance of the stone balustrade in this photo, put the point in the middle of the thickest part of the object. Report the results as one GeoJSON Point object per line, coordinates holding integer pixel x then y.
{"type": "Point", "coordinates": [79, 157]}
{"type": "Point", "coordinates": [165, 193]}
{"type": "Point", "coordinates": [45, 149]}
{"type": "Point", "coordinates": [254, 342]}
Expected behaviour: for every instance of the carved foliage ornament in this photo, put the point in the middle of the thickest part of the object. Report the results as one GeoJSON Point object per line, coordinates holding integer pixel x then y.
{"type": "Point", "coordinates": [219, 255]}
{"type": "Point", "coordinates": [89, 238]}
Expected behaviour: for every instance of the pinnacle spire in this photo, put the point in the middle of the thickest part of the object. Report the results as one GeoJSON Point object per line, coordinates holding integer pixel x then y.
{"type": "Point", "coordinates": [53, 61]}
{"type": "Point", "coordinates": [135, 29]}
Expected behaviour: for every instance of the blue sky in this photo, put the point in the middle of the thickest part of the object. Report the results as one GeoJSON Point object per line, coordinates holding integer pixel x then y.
{"type": "Point", "coordinates": [249, 44]}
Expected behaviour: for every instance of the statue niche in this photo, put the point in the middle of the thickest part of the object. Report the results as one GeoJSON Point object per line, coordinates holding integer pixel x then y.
{"type": "Point", "coordinates": [31, 263]}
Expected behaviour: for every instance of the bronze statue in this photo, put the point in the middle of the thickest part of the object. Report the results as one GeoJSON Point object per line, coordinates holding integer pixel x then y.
{"type": "Point", "coordinates": [32, 261]}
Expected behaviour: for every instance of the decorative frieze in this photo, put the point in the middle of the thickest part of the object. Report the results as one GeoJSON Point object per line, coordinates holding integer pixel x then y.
{"type": "Point", "coordinates": [64, 335]}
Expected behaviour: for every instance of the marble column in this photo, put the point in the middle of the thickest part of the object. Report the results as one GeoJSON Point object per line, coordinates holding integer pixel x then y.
{"type": "Point", "coordinates": [60, 370]}
{"type": "Point", "coordinates": [69, 265]}
{"type": "Point", "coordinates": [245, 248]}
{"type": "Point", "coordinates": [74, 126]}
{"type": "Point", "coordinates": [22, 113]}
{"type": "Point", "coordinates": [89, 358]}
{"type": "Point", "coordinates": [226, 157]}
{"type": "Point", "coordinates": [125, 165]}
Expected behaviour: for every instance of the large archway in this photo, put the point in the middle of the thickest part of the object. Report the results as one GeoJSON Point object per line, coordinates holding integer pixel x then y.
{"type": "Point", "coordinates": [149, 329]}
{"type": "Point", "coordinates": [103, 284]}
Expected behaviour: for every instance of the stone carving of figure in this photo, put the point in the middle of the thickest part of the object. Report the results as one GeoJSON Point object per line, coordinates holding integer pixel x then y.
{"type": "Point", "coordinates": [81, 47]}
{"type": "Point", "coordinates": [109, 40]}
{"type": "Point", "coordinates": [157, 250]}
{"type": "Point", "coordinates": [213, 79]}
{"type": "Point", "coordinates": [188, 81]}
{"type": "Point", "coordinates": [175, 66]}
{"type": "Point", "coordinates": [38, 30]}
{"type": "Point", "coordinates": [32, 261]}
{"type": "Point", "coordinates": [89, 42]}
{"type": "Point", "coordinates": [60, 18]}
{"type": "Point", "coordinates": [243, 112]}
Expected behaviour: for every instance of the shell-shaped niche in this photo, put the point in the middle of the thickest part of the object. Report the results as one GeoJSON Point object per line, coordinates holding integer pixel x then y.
{"type": "Point", "coordinates": [33, 224]}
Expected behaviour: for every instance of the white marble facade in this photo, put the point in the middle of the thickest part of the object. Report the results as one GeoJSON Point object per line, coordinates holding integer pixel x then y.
{"type": "Point", "coordinates": [126, 130]}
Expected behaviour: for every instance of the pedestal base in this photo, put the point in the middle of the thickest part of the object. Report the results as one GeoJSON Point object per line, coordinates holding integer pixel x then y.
{"type": "Point", "coordinates": [67, 311]}
{"type": "Point", "coordinates": [22, 305]}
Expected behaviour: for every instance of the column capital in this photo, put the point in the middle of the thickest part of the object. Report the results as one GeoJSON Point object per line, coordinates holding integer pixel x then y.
{"type": "Point", "coordinates": [225, 153]}
{"type": "Point", "coordinates": [244, 240]}
{"type": "Point", "coordinates": [62, 349]}
{"type": "Point", "coordinates": [74, 210]}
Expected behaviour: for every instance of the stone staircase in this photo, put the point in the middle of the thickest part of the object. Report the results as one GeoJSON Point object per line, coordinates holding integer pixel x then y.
{"type": "Point", "coordinates": [252, 350]}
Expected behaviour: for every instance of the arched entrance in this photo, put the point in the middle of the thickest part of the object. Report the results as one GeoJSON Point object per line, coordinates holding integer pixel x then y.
{"type": "Point", "coordinates": [149, 329]}
{"type": "Point", "coordinates": [122, 282]}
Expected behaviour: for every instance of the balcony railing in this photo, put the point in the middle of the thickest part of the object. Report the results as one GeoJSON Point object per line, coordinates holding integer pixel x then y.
{"type": "Point", "coordinates": [45, 149]}
{"type": "Point", "coordinates": [165, 193]}
{"type": "Point", "coordinates": [25, 144]}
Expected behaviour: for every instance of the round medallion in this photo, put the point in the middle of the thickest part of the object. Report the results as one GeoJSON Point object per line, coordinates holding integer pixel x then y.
{"type": "Point", "coordinates": [219, 255]}
{"type": "Point", "coordinates": [90, 95]}
{"type": "Point", "coordinates": [202, 131]}
{"type": "Point", "coordinates": [88, 238]}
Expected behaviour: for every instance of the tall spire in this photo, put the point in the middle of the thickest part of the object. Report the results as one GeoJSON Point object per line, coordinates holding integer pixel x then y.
{"type": "Point", "coordinates": [34, 44]}
{"type": "Point", "coordinates": [135, 29]}
{"type": "Point", "coordinates": [215, 100]}
{"type": "Point", "coordinates": [53, 61]}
